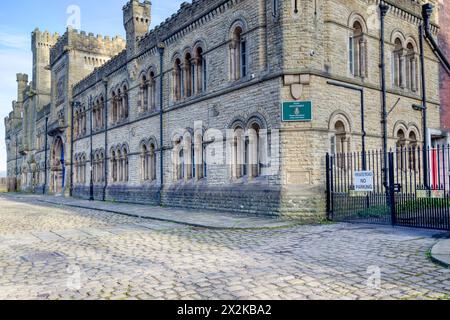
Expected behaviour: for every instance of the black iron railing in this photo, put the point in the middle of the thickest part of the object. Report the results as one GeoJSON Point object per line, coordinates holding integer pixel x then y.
{"type": "Point", "coordinates": [408, 198]}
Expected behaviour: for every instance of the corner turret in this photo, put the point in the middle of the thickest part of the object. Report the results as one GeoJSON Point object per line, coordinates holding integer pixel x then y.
{"type": "Point", "coordinates": [136, 20]}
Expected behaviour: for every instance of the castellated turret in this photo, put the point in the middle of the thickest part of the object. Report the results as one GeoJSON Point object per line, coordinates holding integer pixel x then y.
{"type": "Point", "coordinates": [22, 83]}
{"type": "Point", "coordinates": [41, 43]}
{"type": "Point", "coordinates": [137, 20]}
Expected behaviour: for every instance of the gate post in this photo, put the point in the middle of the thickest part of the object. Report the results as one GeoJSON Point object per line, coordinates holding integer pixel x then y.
{"type": "Point", "coordinates": [329, 188]}
{"type": "Point", "coordinates": [392, 189]}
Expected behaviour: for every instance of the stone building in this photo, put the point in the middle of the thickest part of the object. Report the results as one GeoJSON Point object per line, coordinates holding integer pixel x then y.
{"type": "Point", "coordinates": [444, 42]}
{"type": "Point", "coordinates": [190, 114]}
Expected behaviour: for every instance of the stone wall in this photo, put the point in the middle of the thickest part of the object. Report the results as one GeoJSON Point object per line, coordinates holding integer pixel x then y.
{"type": "Point", "coordinates": [444, 42]}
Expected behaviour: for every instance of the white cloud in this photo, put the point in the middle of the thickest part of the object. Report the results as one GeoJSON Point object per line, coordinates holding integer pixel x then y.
{"type": "Point", "coordinates": [14, 40]}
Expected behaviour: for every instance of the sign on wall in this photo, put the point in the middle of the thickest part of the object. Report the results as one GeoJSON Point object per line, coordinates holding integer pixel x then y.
{"type": "Point", "coordinates": [363, 181]}
{"type": "Point", "coordinates": [297, 111]}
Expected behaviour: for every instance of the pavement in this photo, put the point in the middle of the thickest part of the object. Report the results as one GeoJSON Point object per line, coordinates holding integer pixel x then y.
{"type": "Point", "coordinates": [194, 218]}
{"type": "Point", "coordinates": [440, 252]}
{"type": "Point", "coordinates": [55, 252]}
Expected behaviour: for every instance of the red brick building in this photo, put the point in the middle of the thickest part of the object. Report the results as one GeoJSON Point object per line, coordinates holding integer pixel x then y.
{"type": "Point", "coordinates": [444, 42]}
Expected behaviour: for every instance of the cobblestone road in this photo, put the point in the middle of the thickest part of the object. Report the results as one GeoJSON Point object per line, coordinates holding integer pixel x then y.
{"type": "Point", "coordinates": [50, 252]}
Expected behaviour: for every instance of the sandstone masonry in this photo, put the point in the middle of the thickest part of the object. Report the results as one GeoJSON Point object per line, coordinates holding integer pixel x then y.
{"type": "Point", "coordinates": [215, 75]}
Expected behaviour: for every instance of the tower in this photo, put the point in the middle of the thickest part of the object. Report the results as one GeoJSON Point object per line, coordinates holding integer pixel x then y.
{"type": "Point", "coordinates": [41, 43]}
{"type": "Point", "coordinates": [136, 20]}
{"type": "Point", "coordinates": [22, 83]}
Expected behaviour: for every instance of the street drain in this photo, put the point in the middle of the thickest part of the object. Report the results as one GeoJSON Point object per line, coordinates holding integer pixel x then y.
{"type": "Point", "coordinates": [42, 256]}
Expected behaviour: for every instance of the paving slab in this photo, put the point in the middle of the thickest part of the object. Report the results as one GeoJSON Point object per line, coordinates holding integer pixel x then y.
{"type": "Point", "coordinates": [441, 252]}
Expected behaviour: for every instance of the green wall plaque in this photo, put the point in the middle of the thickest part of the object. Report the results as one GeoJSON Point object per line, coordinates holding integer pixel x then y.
{"type": "Point", "coordinates": [297, 111]}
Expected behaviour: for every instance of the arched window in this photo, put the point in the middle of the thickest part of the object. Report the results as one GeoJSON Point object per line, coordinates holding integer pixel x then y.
{"type": "Point", "coordinates": [188, 75]}
{"type": "Point", "coordinates": [238, 153]}
{"type": "Point", "coordinates": [238, 55]}
{"type": "Point", "coordinates": [102, 166]}
{"type": "Point", "coordinates": [83, 121]}
{"type": "Point", "coordinates": [188, 157]}
{"type": "Point", "coordinates": [401, 149]}
{"type": "Point", "coordinates": [144, 94]}
{"type": "Point", "coordinates": [83, 169]}
{"type": "Point", "coordinates": [119, 105]}
{"type": "Point", "coordinates": [144, 162]}
{"type": "Point", "coordinates": [120, 163]}
{"type": "Point", "coordinates": [75, 173]}
{"type": "Point", "coordinates": [114, 166]}
{"type": "Point", "coordinates": [412, 151]}
{"type": "Point", "coordinates": [76, 124]}
{"type": "Point", "coordinates": [398, 64]}
{"type": "Point", "coordinates": [152, 91]}
{"type": "Point", "coordinates": [178, 80]}
{"type": "Point", "coordinates": [200, 70]}
{"type": "Point", "coordinates": [199, 156]}
{"type": "Point", "coordinates": [115, 106]}
{"type": "Point", "coordinates": [124, 103]}
{"type": "Point", "coordinates": [340, 143]}
{"type": "Point", "coordinates": [181, 173]}
{"type": "Point", "coordinates": [411, 68]}
{"type": "Point", "coordinates": [253, 163]}
{"type": "Point", "coordinates": [152, 161]}
{"type": "Point", "coordinates": [358, 51]}
{"type": "Point", "coordinates": [125, 165]}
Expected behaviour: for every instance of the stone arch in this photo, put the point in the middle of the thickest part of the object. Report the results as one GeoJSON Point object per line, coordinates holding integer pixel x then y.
{"type": "Point", "coordinates": [343, 116]}
{"type": "Point", "coordinates": [235, 121]}
{"type": "Point", "coordinates": [200, 43]}
{"type": "Point", "coordinates": [356, 17]}
{"type": "Point", "coordinates": [256, 118]}
{"type": "Point", "coordinates": [237, 20]}
{"type": "Point", "coordinates": [411, 41]}
{"type": "Point", "coordinates": [400, 125]}
{"type": "Point", "coordinates": [413, 128]}
{"type": "Point", "coordinates": [397, 34]}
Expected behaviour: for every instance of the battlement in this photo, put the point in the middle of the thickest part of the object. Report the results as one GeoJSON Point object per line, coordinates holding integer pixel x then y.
{"type": "Point", "coordinates": [43, 38]}
{"type": "Point", "coordinates": [22, 77]}
{"type": "Point", "coordinates": [135, 10]}
{"type": "Point", "coordinates": [80, 40]}
{"type": "Point", "coordinates": [187, 14]}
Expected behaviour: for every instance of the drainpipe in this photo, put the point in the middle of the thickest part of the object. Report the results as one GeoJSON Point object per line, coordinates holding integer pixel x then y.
{"type": "Point", "coordinates": [17, 171]}
{"type": "Point", "coordinates": [45, 156]}
{"type": "Point", "coordinates": [383, 11]}
{"type": "Point", "coordinates": [91, 159]}
{"type": "Point", "coordinates": [427, 10]}
{"type": "Point", "coordinates": [105, 164]}
{"type": "Point", "coordinates": [74, 104]}
{"type": "Point", "coordinates": [161, 48]}
{"type": "Point", "coordinates": [424, 108]}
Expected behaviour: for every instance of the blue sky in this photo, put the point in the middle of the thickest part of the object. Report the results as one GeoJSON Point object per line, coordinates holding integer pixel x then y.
{"type": "Point", "coordinates": [17, 22]}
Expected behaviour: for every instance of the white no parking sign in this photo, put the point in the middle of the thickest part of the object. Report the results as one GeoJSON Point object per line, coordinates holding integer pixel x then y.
{"type": "Point", "coordinates": [363, 181]}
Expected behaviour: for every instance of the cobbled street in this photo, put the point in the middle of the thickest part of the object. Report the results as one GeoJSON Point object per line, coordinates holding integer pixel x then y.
{"type": "Point", "coordinates": [56, 252]}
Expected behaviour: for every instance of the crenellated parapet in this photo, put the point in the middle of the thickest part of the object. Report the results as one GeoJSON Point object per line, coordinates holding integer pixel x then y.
{"type": "Point", "coordinates": [43, 39]}
{"type": "Point", "coordinates": [104, 71]}
{"type": "Point", "coordinates": [80, 40]}
{"type": "Point", "coordinates": [187, 18]}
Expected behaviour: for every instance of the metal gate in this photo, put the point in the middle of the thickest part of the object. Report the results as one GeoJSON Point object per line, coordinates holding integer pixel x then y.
{"type": "Point", "coordinates": [402, 195]}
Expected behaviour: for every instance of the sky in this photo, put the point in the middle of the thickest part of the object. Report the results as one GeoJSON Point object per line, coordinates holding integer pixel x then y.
{"type": "Point", "coordinates": [17, 22]}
